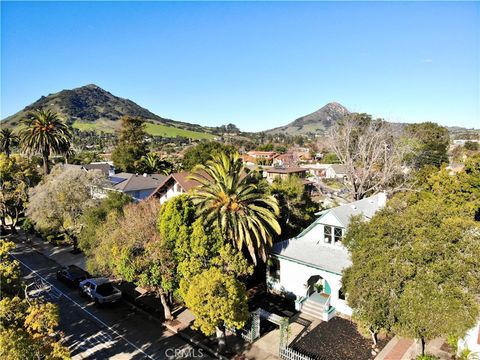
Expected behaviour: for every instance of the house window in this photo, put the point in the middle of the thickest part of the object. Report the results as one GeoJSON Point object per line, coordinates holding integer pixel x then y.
{"type": "Point", "coordinates": [341, 294]}
{"type": "Point", "coordinates": [274, 269]}
{"type": "Point", "coordinates": [337, 235]}
{"type": "Point", "coordinates": [327, 232]}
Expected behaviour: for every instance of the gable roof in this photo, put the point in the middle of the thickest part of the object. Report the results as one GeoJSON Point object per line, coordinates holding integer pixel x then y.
{"type": "Point", "coordinates": [105, 168]}
{"type": "Point", "coordinates": [284, 170]}
{"type": "Point", "coordinates": [366, 207]}
{"type": "Point", "coordinates": [309, 252]}
{"type": "Point", "coordinates": [181, 178]}
{"type": "Point", "coordinates": [135, 182]}
{"type": "Point", "coordinates": [339, 168]}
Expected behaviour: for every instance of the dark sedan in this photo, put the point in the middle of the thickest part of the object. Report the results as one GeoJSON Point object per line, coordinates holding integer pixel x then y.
{"type": "Point", "coordinates": [72, 275]}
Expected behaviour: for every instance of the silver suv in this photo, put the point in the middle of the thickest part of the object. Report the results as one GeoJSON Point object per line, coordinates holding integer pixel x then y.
{"type": "Point", "coordinates": [100, 290]}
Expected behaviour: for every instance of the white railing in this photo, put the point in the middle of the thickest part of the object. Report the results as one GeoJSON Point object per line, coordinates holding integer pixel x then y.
{"type": "Point", "coordinates": [287, 353]}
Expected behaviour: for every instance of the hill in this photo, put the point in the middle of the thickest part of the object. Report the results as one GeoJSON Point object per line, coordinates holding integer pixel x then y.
{"type": "Point", "coordinates": [93, 108]}
{"type": "Point", "coordinates": [316, 122]}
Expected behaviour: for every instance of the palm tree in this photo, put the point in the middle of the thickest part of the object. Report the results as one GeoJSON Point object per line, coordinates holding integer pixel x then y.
{"type": "Point", "coordinates": [7, 140]}
{"type": "Point", "coordinates": [45, 134]}
{"type": "Point", "coordinates": [151, 163]}
{"type": "Point", "coordinates": [244, 212]}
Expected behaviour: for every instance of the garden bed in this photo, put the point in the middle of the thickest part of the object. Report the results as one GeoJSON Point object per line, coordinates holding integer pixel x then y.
{"type": "Point", "coordinates": [337, 339]}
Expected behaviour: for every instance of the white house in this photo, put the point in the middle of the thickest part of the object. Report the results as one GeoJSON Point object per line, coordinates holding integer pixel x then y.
{"type": "Point", "coordinates": [471, 341]}
{"type": "Point", "coordinates": [175, 184]}
{"type": "Point", "coordinates": [327, 171]}
{"type": "Point", "coordinates": [316, 257]}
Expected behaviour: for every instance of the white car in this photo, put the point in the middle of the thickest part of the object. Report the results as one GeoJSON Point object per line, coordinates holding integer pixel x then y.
{"type": "Point", "coordinates": [100, 290]}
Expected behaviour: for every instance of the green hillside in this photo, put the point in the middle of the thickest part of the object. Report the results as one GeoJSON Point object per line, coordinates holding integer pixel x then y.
{"type": "Point", "coordinates": [152, 129]}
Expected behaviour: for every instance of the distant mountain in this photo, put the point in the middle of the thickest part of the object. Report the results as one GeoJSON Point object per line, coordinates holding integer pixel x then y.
{"type": "Point", "coordinates": [315, 122]}
{"type": "Point", "coordinates": [91, 107]}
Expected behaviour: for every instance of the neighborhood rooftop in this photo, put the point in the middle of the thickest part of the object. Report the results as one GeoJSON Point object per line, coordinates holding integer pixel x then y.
{"type": "Point", "coordinates": [133, 182]}
{"type": "Point", "coordinates": [308, 251]}
{"type": "Point", "coordinates": [366, 207]}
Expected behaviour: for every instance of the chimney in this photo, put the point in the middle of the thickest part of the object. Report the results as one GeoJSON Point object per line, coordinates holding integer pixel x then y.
{"type": "Point", "coordinates": [382, 199]}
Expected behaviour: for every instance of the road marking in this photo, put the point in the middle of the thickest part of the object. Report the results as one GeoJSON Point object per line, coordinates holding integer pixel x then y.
{"type": "Point", "coordinates": [83, 308]}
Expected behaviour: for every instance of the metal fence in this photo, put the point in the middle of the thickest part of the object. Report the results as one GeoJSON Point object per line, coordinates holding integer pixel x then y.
{"type": "Point", "coordinates": [287, 353]}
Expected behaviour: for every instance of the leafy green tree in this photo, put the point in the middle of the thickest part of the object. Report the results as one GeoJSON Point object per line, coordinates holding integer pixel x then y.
{"type": "Point", "coordinates": [330, 158]}
{"type": "Point", "coordinates": [296, 206]}
{"type": "Point", "coordinates": [94, 217]}
{"type": "Point", "coordinates": [244, 212]}
{"type": "Point", "coordinates": [57, 204]}
{"type": "Point", "coordinates": [8, 139]}
{"type": "Point", "coordinates": [203, 152]}
{"type": "Point", "coordinates": [44, 133]}
{"type": "Point", "coordinates": [151, 164]}
{"type": "Point", "coordinates": [266, 147]}
{"type": "Point", "coordinates": [131, 144]}
{"type": "Point", "coordinates": [175, 222]}
{"type": "Point", "coordinates": [430, 144]}
{"type": "Point", "coordinates": [17, 174]}
{"type": "Point", "coordinates": [210, 284]}
{"type": "Point", "coordinates": [217, 299]}
{"type": "Point", "coordinates": [84, 157]}
{"type": "Point", "coordinates": [26, 330]}
{"type": "Point", "coordinates": [416, 264]}
{"type": "Point", "coordinates": [129, 246]}
{"type": "Point", "coordinates": [10, 274]}
{"type": "Point", "coordinates": [471, 146]}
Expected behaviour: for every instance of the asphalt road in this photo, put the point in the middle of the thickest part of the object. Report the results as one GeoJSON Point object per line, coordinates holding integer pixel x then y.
{"type": "Point", "coordinates": [111, 332]}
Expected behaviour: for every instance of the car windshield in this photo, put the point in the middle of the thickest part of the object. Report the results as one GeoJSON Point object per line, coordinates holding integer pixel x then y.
{"type": "Point", "coordinates": [105, 289]}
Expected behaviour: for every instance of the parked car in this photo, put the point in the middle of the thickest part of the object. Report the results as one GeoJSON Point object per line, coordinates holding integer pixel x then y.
{"type": "Point", "coordinates": [72, 275]}
{"type": "Point", "coordinates": [100, 290]}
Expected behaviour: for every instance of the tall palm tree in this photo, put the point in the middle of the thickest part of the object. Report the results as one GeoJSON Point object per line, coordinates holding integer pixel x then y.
{"type": "Point", "coordinates": [7, 140]}
{"type": "Point", "coordinates": [244, 212]}
{"type": "Point", "coordinates": [44, 133]}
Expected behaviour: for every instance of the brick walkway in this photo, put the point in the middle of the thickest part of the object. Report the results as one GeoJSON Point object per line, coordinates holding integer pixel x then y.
{"type": "Point", "coordinates": [397, 349]}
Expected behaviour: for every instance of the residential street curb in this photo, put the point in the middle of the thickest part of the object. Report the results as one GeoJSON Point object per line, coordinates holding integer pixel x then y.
{"type": "Point", "coordinates": [135, 308]}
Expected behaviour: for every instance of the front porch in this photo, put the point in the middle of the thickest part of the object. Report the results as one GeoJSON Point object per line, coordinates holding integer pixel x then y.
{"type": "Point", "coordinates": [317, 305]}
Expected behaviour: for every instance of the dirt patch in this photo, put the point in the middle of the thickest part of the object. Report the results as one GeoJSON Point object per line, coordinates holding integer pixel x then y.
{"type": "Point", "coordinates": [337, 339]}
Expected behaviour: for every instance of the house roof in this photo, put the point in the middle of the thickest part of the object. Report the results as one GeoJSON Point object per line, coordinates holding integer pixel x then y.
{"type": "Point", "coordinates": [103, 167]}
{"type": "Point", "coordinates": [265, 153]}
{"type": "Point", "coordinates": [286, 170]}
{"type": "Point", "coordinates": [182, 178]}
{"type": "Point", "coordinates": [135, 182]}
{"type": "Point", "coordinates": [310, 252]}
{"type": "Point", "coordinates": [366, 207]}
{"type": "Point", "coordinates": [339, 168]}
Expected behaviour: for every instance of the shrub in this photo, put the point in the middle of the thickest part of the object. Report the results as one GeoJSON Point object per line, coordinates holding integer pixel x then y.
{"type": "Point", "coordinates": [27, 226]}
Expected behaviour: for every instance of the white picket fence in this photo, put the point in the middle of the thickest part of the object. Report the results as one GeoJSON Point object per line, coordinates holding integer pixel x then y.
{"type": "Point", "coordinates": [287, 353]}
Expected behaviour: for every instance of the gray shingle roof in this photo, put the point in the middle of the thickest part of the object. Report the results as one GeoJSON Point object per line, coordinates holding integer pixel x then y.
{"type": "Point", "coordinates": [366, 207]}
{"type": "Point", "coordinates": [311, 252]}
{"type": "Point", "coordinates": [134, 182]}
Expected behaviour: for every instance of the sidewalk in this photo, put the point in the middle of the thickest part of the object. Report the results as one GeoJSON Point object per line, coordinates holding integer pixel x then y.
{"type": "Point", "coordinates": [407, 349]}
{"type": "Point", "coordinates": [149, 305]}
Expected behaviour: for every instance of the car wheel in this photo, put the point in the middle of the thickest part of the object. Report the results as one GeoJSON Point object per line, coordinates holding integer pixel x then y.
{"type": "Point", "coordinates": [98, 303]}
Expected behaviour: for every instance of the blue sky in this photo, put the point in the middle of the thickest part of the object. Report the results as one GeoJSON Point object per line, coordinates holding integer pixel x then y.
{"type": "Point", "coordinates": [258, 65]}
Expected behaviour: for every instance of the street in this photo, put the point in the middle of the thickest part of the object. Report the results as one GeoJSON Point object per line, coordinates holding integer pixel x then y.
{"type": "Point", "coordinates": [114, 331]}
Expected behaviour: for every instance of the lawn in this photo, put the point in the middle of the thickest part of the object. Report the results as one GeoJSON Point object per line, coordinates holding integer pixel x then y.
{"type": "Point", "coordinates": [152, 129]}
{"type": "Point", "coordinates": [169, 131]}
{"type": "Point", "coordinates": [87, 126]}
